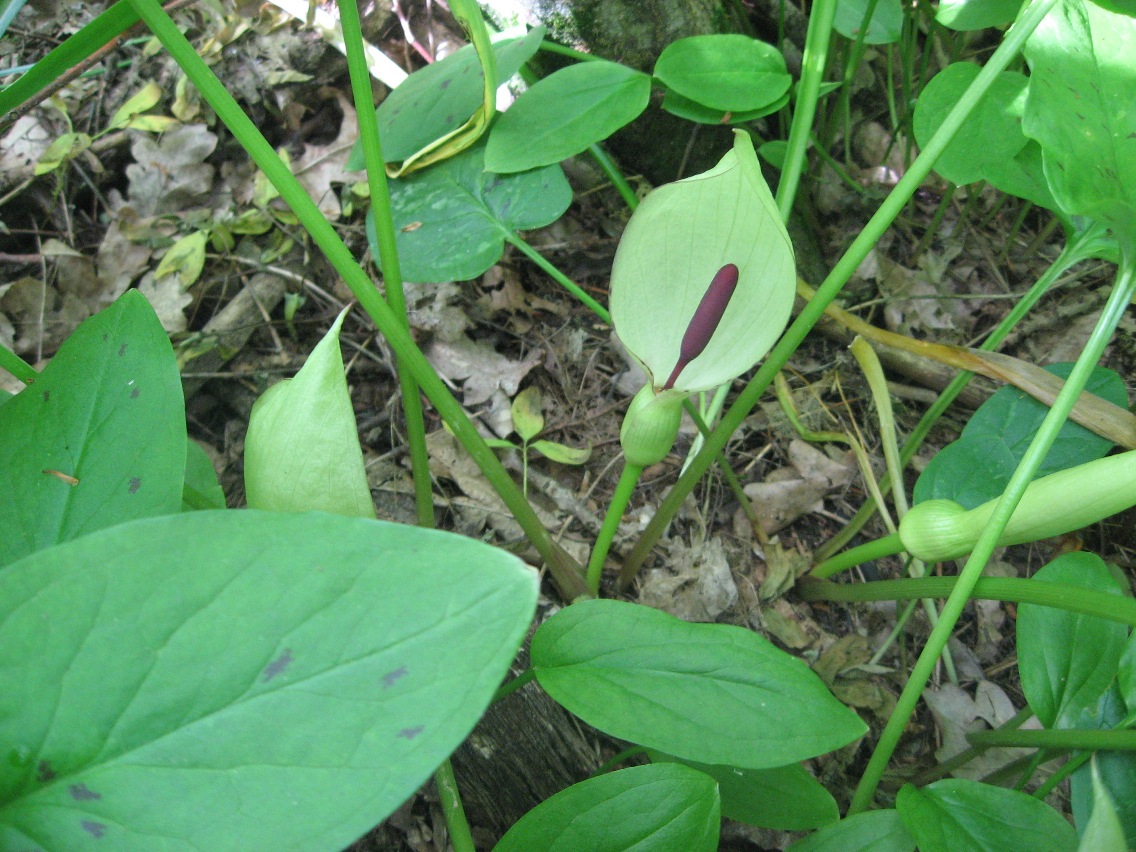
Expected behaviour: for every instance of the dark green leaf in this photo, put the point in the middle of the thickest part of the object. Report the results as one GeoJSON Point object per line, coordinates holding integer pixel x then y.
{"type": "Point", "coordinates": [565, 113]}
{"type": "Point", "coordinates": [958, 814]}
{"type": "Point", "coordinates": [661, 806]}
{"type": "Point", "coordinates": [451, 220]}
{"type": "Point", "coordinates": [977, 466]}
{"type": "Point", "coordinates": [441, 97]}
{"type": "Point", "coordinates": [707, 692]}
{"type": "Point", "coordinates": [1080, 109]}
{"type": "Point", "coordinates": [991, 134]}
{"type": "Point", "coordinates": [1117, 770]}
{"type": "Point", "coordinates": [785, 797]}
{"type": "Point", "coordinates": [1067, 660]}
{"type": "Point", "coordinates": [107, 411]}
{"type": "Point", "coordinates": [970, 15]}
{"type": "Point", "coordinates": [727, 73]}
{"type": "Point", "coordinates": [885, 27]}
{"type": "Point", "coordinates": [201, 481]}
{"type": "Point", "coordinates": [873, 831]}
{"type": "Point", "coordinates": [676, 104]}
{"type": "Point", "coordinates": [243, 680]}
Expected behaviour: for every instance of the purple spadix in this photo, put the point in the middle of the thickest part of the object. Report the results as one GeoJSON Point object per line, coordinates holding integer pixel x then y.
{"type": "Point", "coordinates": [705, 320]}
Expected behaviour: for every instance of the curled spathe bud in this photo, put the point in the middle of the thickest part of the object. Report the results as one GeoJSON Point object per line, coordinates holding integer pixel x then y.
{"type": "Point", "coordinates": [704, 277]}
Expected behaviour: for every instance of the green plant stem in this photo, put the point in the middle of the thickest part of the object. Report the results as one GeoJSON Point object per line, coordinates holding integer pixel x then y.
{"type": "Point", "coordinates": [1062, 772]}
{"type": "Point", "coordinates": [511, 686]}
{"type": "Point", "coordinates": [17, 366]}
{"type": "Point", "coordinates": [891, 207]}
{"type": "Point", "coordinates": [1081, 246]}
{"type": "Point", "coordinates": [874, 372]}
{"type": "Point", "coordinates": [460, 836]}
{"type": "Point", "coordinates": [564, 569]}
{"type": "Point", "coordinates": [388, 253]}
{"type": "Point", "coordinates": [964, 757]}
{"type": "Point", "coordinates": [888, 545]}
{"type": "Point", "coordinates": [453, 811]}
{"type": "Point", "coordinates": [727, 471]}
{"type": "Point", "coordinates": [558, 276]}
{"type": "Point", "coordinates": [1057, 595]}
{"type": "Point", "coordinates": [553, 47]}
{"type": "Point", "coordinates": [1118, 300]}
{"type": "Point", "coordinates": [1078, 740]}
{"type": "Point", "coordinates": [605, 162]}
{"type": "Point", "coordinates": [813, 62]}
{"type": "Point", "coordinates": [619, 500]}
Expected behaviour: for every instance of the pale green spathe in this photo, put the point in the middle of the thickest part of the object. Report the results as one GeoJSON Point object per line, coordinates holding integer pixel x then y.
{"type": "Point", "coordinates": [302, 449]}
{"type": "Point", "coordinates": [677, 240]}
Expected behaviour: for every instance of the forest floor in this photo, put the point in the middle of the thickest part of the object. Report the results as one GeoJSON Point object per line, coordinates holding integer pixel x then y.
{"type": "Point", "coordinates": [74, 239]}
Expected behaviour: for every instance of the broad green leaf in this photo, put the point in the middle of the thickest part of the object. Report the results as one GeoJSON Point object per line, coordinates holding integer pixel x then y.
{"type": "Point", "coordinates": [1121, 7]}
{"type": "Point", "coordinates": [970, 15]}
{"type": "Point", "coordinates": [655, 807]}
{"type": "Point", "coordinates": [785, 797]}
{"type": "Point", "coordinates": [1080, 109]}
{"type": "Point", "coordinates": [1117, 770]}
{"type": "Point", "coordinates": [99, 438]}
{"type": "Point", "coordinates": [242, 680]}
{"type": "Point", "coordinates": [438, 99]}
{"type": "Point", "coordinates": [560, 453]}
{"type": "Point", "coordinates": [959, 814]}
{"type": "Point", "coordinates": [1067, 660]}
{"type": "Point", "coordinates": [527, 417]}
{"type": "Point", "coordinates": [977, 466]}
{"type": "Point", "coordinates": [1024, 176]}
{"type": "Point", "coordinates": [1103, 831]}
{"type": "Point", "coordinates": [678, 241]}
{"type": "Point", "coordinates": [872, 831]}
{"type": "Point", "coordinates": [885, 26]}
{"type": "Point", "coordinates": [1126, 672]}
{"type": "Point", "coordinates": [564, 113]}
{"type": "Point", "coordinates": [676, 104]}
{"type": "Point", "coordinates": [707, 692]}
{"type": "Point", "coordinates": [302, 448]}
{"type": "Point", "coordinates": [185, 258]}
{"type": "Point", "coordinates": [451, 220]}
{"type": "Point", "coordinates": [991, 134]}
{"type": "Point", "coordinates": [201, 489]}
{"type": "Point", "coordinates": [731, 73]}
{"type": "Point", "coordinates": [142, 100]}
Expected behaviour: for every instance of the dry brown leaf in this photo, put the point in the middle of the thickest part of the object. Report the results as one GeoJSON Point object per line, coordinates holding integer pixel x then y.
{"type": "Point", "coordinates": [481, 368]}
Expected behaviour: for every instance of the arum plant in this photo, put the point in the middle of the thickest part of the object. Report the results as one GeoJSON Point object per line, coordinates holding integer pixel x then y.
{"type": "Point", "coordinates": [701, 287]}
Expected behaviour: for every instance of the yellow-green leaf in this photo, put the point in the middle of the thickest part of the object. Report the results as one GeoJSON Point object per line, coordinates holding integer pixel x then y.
{"type": "Point", "coordinates": [185, 258]}
{"type": "Point", "coordinates": [144, 99]}
{"type": "Point", "coordinates": [65, 148]}
{"type": "Point", "coordinates": [527, 417]}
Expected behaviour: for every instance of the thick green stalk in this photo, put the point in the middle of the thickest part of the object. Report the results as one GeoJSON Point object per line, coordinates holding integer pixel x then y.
{"type": "Point", "coordinates": [1118, 300]}
{"type": "Point", "coordinates": [619, 500]}
{"type": "Point", "coordinates": [388, 253]}
{"type": "Point", "coordinates": [813, 62]}
{"type": "Point", "coordinates": [453, 811]}
{"type": "Point", "coordinates": [878, 548]}
{"type": "Point", "coordinates": [1079, 739]}
{"type": "Point", "coordinates": [564, 569]}
{"type": "Point", "coordinates": [1057, 595]}
{"type": "Point", "coordinates": [891, 207]}
{"type": "Point", "coordinates": [1081, 246]}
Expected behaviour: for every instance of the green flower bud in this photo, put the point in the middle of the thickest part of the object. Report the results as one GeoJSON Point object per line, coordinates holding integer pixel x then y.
{"type": "Point", "coordinates": [1053, 505]}
{"type": "Point", "coordinates": [650, 426]}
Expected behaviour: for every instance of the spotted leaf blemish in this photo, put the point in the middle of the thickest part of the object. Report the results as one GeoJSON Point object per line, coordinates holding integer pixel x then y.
{"type": "Point", "coordinates": [134, 393]}
{"type": "Point", "coordinates": [122, 350]}
{"type": "Point", "coordinates": [95, 829]}
{"type": "Point", "coordinates": [391, 678]}
{"type": "Point", "coordinates": [47, 396]}
{"type": "Point", "coordinates": [705, 320]}
{"type": "Point", "coordinates": [411, 733]}
{"type": "Point", "coordinates": [135, 484]}
{"type": "Point", "coordinates": [44, 772]}
{"type": "Point", "coordinates": [83, 793]}
{"type": "Point", "coordinates": [278, 665]}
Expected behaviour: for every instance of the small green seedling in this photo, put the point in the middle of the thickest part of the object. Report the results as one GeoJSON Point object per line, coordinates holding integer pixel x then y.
{"type": "Point", "coordinates": [528, 421]}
